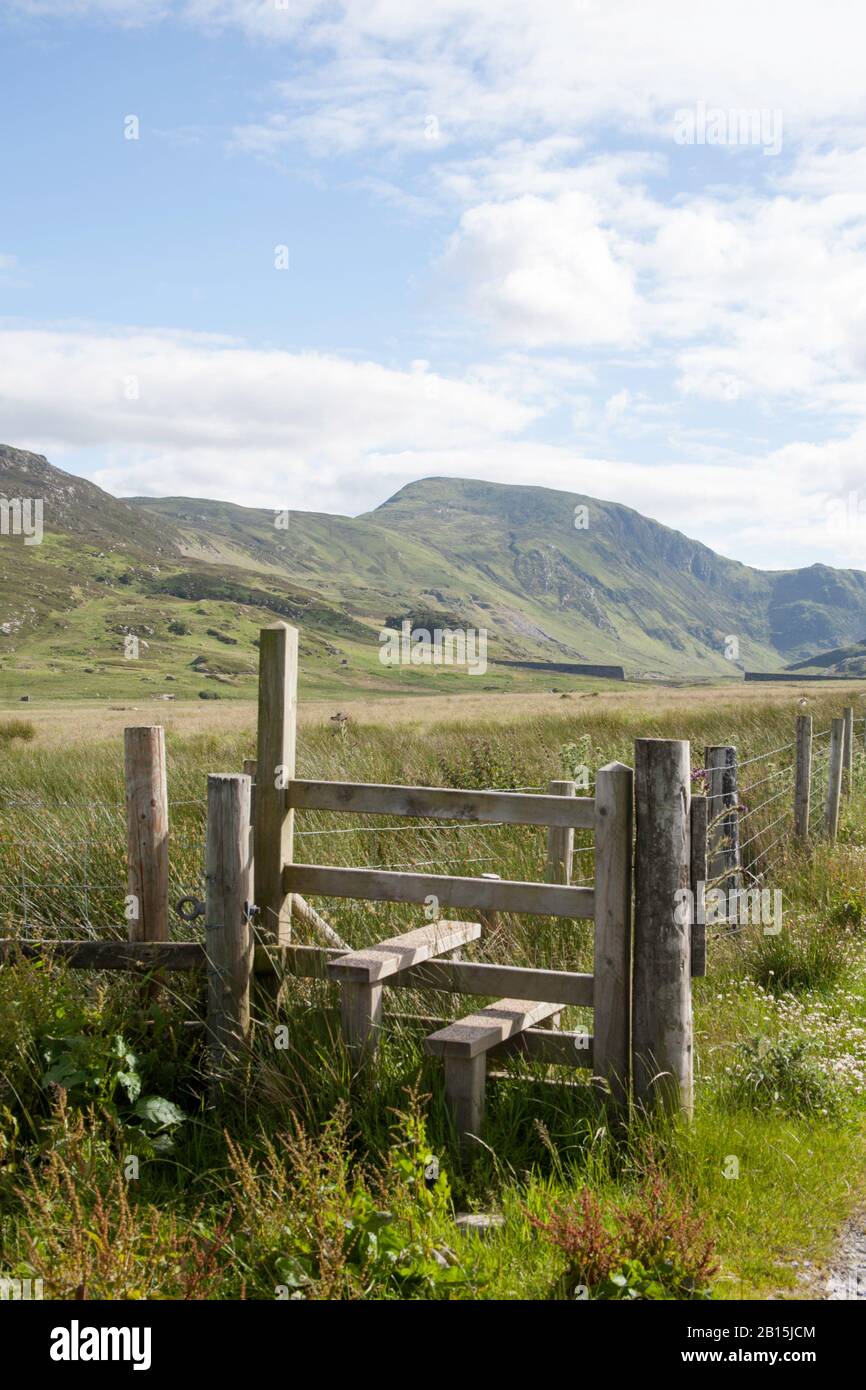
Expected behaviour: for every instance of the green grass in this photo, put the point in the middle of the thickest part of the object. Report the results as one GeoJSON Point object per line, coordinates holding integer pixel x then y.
{"type": "Point", "coordinates": [282, 1189]}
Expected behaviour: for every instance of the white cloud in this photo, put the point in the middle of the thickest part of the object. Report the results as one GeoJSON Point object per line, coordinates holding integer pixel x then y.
{"type": "Point", "coordinates": [181, 412]}
{"type": "Point", "coordinates": [544, 273]}
{"type": "Point", "coordinates": [489, 67]}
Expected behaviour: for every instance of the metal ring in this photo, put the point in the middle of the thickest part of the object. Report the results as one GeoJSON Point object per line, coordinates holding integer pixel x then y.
{"type": "Point", "coordinates": [185, 914]}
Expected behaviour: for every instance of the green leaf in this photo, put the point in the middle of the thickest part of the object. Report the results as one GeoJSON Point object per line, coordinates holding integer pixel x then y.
{"type": "Point", "coordinates": [158, 1113]}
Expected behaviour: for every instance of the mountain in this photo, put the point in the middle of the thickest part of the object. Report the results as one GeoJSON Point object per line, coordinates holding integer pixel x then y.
{"type": "Point", "coordinates": [550, 576]}
{"type": "Point", "coordinates": [842, 661]}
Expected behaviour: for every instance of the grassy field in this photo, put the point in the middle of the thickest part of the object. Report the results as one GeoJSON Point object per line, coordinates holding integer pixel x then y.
{"type": "Point", "coordinates": [118, 1180]}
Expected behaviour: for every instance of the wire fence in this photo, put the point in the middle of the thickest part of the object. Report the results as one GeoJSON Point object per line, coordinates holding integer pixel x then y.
{"type": "Point", "coordinates": [63, 865]}
{"type": "Point", "coordinates": [63, 860]}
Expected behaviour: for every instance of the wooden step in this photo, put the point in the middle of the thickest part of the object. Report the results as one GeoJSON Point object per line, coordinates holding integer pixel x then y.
{"type": "Point", "coordinates": [398, 953]}
{"type": "Point", "coordinates": [478, 1032]}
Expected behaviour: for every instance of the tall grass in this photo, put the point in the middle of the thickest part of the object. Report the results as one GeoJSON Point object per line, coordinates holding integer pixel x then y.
{"type": "Point", "coordinates": [255, 1198]}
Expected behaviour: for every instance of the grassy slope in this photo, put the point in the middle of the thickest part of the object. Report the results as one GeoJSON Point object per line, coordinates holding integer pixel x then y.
{"type": "Point", "coordinates": [507, 559]}
{"type": "Point", "coordinates": [798, 1174]}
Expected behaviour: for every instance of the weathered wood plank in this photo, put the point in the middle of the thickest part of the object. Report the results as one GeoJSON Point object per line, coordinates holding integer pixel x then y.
{"type": "Point", "coordinates": [307, 962]}
{"type": "Point", "coordinates": [441, 803]}
{"type": "Point", "coordinates": [848, 751]}
{"type": "Point", "coordinates": [834, 778]}
{"type": "Point", "coordinates": [560, 840]}
{"type": "Point", "coordinates": [361, 1019]}
{"type": "Point", "coordinates": [512, 981]}
{"type": "Point", "coordinates": [465, 1084]}
{"type": "Point", "coordinates": [612, 967]}
{"type": "Point", "coordinates": [137, 956]}
{"type": "Point", "coordinates": [477, 1033]}
{"type": "Point", "coordinates": [698, 876]}
{"type": "Point", "coordinates": [275, 766]}
{"type": "Point", "coordinates": [381, 885]}
{"type": "Point", "coordinates": [724, 819]}
{"type": "Point", "coordinates": [228, 931]}
{"type": "Point", "coordinates": [400, 952]}
{"type": "Point", "coordinates": [552, 1049]}
{"type": "Point", "coordinates": [147, 832]}
{"type": "Point", "coordinates": [803, 778]}
{"type": "Point", "coordinates": [662, 1036]}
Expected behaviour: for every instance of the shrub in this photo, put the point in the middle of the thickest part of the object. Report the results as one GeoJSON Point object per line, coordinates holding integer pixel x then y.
{"type": "Point", "coordinates": [17, 728]}
{"type": "Point", "coordinates": [313, 1223]}
{"type": "Point", "coordinates": [652, 1247]}
{"type": "Point", "coordinates": [480, 765]}
{"type": "Point", "coordinates": [86, 1236]}
{"type": "Point", "coordinates": [802, 957]}
{"type": "Point", "coordinates": [782, 1075]}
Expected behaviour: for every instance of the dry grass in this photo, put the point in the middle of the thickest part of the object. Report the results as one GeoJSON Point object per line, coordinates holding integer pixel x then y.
{"type": "Point", "coordinates": [91, 721]}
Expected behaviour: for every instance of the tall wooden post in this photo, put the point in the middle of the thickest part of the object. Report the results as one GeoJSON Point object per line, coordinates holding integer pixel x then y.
{"type": "Point", "coordinates": [250, 771]}
{"type": "Point", "coordinates": [662, 1034]}
{"type": "Point", "coordinates": [560, 840]}
{"type": "Point", "coordinates": [612, 971]}
{"type": "Point", "coordinates": [147, 833]}
{"type": "Point", "coordinates": [698, 874]}
{"type": "Point", "coordinates": [724, 821]}
{"type": "Point", "coordinates": [803, 778]}
{"type": "Point", "coordinates": [848, 749]}
{"type": "Point", "coordinates": [275, 767]}
{"type": "Point", "coordinates": [229, 935]}
{"type": "Point", "coordinates": [834, 781]}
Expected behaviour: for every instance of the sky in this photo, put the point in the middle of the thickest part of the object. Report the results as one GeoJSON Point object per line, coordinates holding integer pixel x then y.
{"type": "Point", "coordinates": [299, 253]}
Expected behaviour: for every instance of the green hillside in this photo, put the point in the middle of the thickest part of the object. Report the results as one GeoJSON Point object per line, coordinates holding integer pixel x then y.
{"type": "Point", "coordinates": [193, 581]}
{"type": "Point", "coordinates": [842, 661]}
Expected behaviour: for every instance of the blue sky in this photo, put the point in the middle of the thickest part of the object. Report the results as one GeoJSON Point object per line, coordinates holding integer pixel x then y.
{"type": "Point", "coordinates": [511, 255]}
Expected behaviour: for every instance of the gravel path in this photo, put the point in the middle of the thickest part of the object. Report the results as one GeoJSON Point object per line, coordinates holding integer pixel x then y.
{"type": "Point", "coordinates": [846, 1278]}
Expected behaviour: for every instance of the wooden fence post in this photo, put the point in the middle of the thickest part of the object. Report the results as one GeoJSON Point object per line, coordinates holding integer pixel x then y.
{"type": "Point", "coordinates": [229, 934]}
{"type": "Point", "coordinates": [560, 840]}
{"type": "Point", "coordinates": [724, 820]}
{"type": "Point", "coordinates": [250, 771]}
{"type": "Point", "coordinates": [803, 780]}
{"type": "Point", "coordinates": [612, 970]}
{"type": "Point", "coordinates": [848, 751]}
{"type": "Point", "coordinates": [274, 824]}
{"type": "Point", "coordinates": [662, 1033]}
{"type": "Point", "coordinates": [698, 875]}
{"type": "Point", "coordinates": [834, 782]}
{"type": "Point", "coordinates": [147, 833]}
